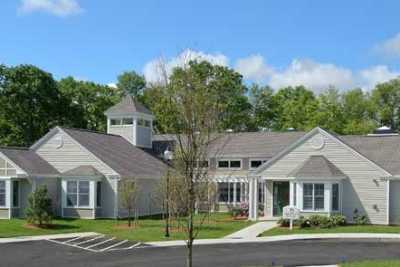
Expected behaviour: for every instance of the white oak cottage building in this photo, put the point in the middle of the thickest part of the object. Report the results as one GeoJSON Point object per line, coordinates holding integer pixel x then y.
{"type": "Point", "coordinates": [317, 171]}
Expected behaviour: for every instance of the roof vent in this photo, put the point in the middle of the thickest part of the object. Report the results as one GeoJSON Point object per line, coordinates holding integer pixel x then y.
{"type": "Point", "coordinates": [383, 131]}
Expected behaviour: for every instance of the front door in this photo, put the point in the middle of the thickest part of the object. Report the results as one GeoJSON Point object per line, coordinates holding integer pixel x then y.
{"type": "Point", "coordinates": [280, 197]}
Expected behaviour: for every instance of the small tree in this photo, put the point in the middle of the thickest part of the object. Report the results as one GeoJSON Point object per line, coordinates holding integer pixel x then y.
{"type": "Point", "coordinates": [128, 192]}
{"type": "Point", "coordinates": [39, 209]}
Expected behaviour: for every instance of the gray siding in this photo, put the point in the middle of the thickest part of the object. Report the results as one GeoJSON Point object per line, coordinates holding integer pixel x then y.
{"type": "Point", "coordinates": [125, 131]}
{"type": "Point", "coordinates": [143, 136]}
{"type": "Point", "coordinates": [3, 213]}
{"type": "Point", "coordinates": [363, 190]}
{"type": "Point", "coordinates": [394, 214]}
{"type": "Point", "coordinates": [25, 191]}
{"type": "Point", "coordinates": [70, 155]}
{"type": "Point", "coordinates": [107, 198]}
{"type": "Point", "coordinates": [54, 192]}
{"type": "Point", "coordinates": [78, 213]}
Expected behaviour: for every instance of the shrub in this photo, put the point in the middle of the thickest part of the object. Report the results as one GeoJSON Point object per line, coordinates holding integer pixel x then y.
{"type": "Point", "coordinates": [39, 207]}
{"type": "Point", "coordinates": [317, 220]}
{"type": "Point", "coordinates": [338, 220]}
{"type": "Point", "coordinates": [241, 210]}
{"type": "Point", "coordinates": [360, 219]}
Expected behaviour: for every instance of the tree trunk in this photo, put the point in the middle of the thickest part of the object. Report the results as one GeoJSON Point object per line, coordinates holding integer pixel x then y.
{"type": "Point", "coordinates": [129, 218]}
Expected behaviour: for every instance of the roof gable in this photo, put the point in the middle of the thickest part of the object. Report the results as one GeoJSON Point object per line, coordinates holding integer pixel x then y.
{"type": "Point", "coordinates": [128, 105]}
{"type": "Point", "coordinates": [317, 166]}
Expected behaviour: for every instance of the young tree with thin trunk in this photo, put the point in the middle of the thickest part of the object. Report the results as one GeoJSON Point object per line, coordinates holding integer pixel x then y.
{"type": "Point", "coordinates": [128, 193]}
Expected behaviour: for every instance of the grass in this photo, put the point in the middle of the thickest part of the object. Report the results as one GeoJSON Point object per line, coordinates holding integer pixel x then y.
{"type": "Point", "coordinates": [148, 229]}
{"type": "Point", "coordinates": [339, 229]}
{"type": "Point", "coordinates": [373, 263]}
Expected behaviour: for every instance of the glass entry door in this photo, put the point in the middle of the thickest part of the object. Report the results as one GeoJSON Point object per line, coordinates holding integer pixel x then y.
{"type": "Point", "coordinates": [280, 197]}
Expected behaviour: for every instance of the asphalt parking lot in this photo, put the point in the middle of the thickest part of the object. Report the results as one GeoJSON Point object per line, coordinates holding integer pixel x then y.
{"type": "Point", "coordinates": [292, 253]}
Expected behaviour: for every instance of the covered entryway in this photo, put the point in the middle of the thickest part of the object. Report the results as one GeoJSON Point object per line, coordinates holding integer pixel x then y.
{"type": "Point", "coordinates": [394, 202]}
{"type": "Point", "coordinates": [281, 196]}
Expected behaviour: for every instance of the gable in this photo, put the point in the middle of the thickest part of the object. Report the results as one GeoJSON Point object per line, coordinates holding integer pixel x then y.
{"type": "Point", "coordinates": [319, 142]}
{"type": "Point", "coordinates": [65, 153]}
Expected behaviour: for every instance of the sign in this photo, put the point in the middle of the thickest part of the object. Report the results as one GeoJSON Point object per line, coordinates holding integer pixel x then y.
{"type": "Point", "coordinates": [291, 213]}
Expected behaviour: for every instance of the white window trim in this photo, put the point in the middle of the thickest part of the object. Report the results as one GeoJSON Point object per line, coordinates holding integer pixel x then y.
{"type": "Point", "coordinates": [77, 206]}
{"type": "Point", "coordinates": [229, 164]}
{"type": "Point", "coordinates": [256, 159]}
{"type": "Point", "coordinates": [5, 194]}
{"type": "Point", "coordinates": [325, 209]}
{"type": "Point", "coordinates": [339, 198]}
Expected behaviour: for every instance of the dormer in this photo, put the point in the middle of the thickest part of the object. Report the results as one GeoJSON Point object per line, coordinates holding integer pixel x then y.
{"type": "Point", "coordinates": [131, 120]}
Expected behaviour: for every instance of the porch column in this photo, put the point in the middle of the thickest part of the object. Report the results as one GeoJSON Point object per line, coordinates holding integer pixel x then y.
{"type": "Point", "coordinates": [9, 197]}
{"type": "Point", "coordinates": [328, 197]}
{"type": "Point", "coordinates": [253, 199]}
{"type": "Point", "coordinates": [292, 194]}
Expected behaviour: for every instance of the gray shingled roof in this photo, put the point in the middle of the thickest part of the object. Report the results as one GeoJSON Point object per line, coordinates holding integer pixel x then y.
{"type": "Point", "coordinates": [128, 104]}
{"type": "Point", "coordinates": [83, 170]}
{"type": "Point", "coordinates": [123, 157]}
{"type": "Point", "coordinates": [252, 144]}
{"type": "Point", "coordinates": [317, 166]}
{"type": "Point", "coordinates": [29, 161]}
{"type": "Point", "coordinates": [383, 150]}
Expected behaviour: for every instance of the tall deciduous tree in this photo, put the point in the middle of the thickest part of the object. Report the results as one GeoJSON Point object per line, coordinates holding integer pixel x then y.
{"type": "Point", "coordinates": [264, 106]}
{"type": "Point", "coordinates": [131, 83]}
{"type": "Point", "coordinates": [30, 104]}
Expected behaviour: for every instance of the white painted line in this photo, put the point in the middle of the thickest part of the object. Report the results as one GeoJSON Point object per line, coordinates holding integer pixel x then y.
{"type": "Point", "coordinates": [135, 245]}
{"type": "Point", "coordinates": [73, 239]}
{"type": "Point", "coordinates": [131, 247]}
{"type": "Point", "coordinates": [101, 243]}
{"type": "Point", "coordinates": [87, 241]}
{"type": "Point", "coordinates": [70, 245]}
{"type": "Point", "coordinates": [44, 237]}
{"type": "Point", "coordinates": [115, 245]}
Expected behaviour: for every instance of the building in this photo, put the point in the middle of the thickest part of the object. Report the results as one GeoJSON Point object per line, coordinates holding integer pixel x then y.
{"type": "Point", "coordinates": [316, 171]}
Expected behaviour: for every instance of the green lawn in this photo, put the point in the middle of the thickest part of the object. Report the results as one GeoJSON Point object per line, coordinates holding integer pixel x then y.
{"type": "Point", "coordinates": [339, 229]}
{"type": "Point", "coordinates": [219, 225]}
{"type": "Point", "coordinates": [373, 263]}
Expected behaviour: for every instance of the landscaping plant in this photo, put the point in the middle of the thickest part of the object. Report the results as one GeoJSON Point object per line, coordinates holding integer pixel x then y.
{"type": "Point", "coordinates": [39, 210]}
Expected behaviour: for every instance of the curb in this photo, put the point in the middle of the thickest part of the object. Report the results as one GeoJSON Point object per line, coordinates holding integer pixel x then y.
{"type": "Point", "coordinates": [43, 237]}
{"type": "Point", "coordinates": [268, 239]}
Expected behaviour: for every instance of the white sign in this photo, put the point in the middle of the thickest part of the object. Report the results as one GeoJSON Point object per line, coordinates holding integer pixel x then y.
{"type": "Point", "coordinates": [291, 213]}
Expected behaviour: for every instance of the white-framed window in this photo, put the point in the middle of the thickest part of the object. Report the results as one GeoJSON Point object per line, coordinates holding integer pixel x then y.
{"type": "Point", "coordinates": [255, 163]}
{"type": "Point", "coordinates": [230, 192]}
{"type": "Point", "coordinates": [313, 196]}
{"type": "Point", "coordinates": [127, 121]}
{"type": "Point", "coordinates": [335, 197]}
{"type": "Point", "coordinates": [6, 169]}
{"type": "Point", "coordinates": [78, 193]}
{"type": "Point", "coordinates": [2, 193]}
{"type": "Point", "coordinates": [143, 123]}
{"type": "Point", "coordinates": [121, 121]}
{"type": "Point", "coordinates": [235, 164]}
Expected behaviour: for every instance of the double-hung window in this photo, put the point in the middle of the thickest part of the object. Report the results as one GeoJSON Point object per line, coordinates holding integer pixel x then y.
{"type": "Point", "coordinates": [2, 193]}
{"type": "Point", "coordinates": [313, 197]}
{"type": "Point", "coordinates": [15, 196]}
{"type": "Point", "coordinates": [78, 193]}
{"type": "Point", "coordinates": [229, 164]}
{"type": "Point", "coordinates": [335, 197]}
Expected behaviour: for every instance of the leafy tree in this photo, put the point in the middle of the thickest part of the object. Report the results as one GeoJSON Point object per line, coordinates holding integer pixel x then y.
{"type": "Point", "coordinates": [131, 83]}
{"type": "Point", "coordinates": [357, 109]}
{"type": "Point", "coordinates": [330, 114]}
{"type": "Point", "coordinates": [129, 192]}
{"type": "Point", "coordinates": [295, 108]}
{"type": "Point", "coordinates": [39, 210]}
{"type": "Point", "coordinates": [386, 98]}
{"type": "Point", "coordinates": [88, 101]}
{"type": "Point", "coordinates": [264, 106]}
{"type": "Point", "coordinates": [30, 103]}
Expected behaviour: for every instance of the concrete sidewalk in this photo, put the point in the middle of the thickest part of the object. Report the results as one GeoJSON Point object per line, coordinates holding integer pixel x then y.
{"type": "Point", "coordinates": [253, 230]}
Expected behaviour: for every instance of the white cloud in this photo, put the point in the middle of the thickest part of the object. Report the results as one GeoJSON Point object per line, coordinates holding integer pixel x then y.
{"type": "Point", "coordinates": [153, 70]}
{"type": "Point", "coordinates": [390, 48]}
{"type": "Point", "coordinates": [112, 85]}
{"type": "Point", "coordinates": [253, 68]}
{"type": "Point", "coordinates": [61, 8]}
{"type": "Point", "coordinates": [376, 74]}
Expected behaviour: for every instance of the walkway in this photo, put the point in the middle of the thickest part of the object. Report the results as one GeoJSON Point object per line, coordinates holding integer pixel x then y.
{"type": "Point", "coordinates": [253, 230]}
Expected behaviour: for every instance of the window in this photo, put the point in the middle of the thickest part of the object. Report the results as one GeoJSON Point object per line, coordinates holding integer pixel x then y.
{"type": "Point", "coordinates": [115, 122]}
{"type": "Point", "coordinates": [78, 193]}
{"type": "Point", "coordinates": [335, 197]}
{"type": "Point", "coordinates": [223, 192]}
{"type": "Point", "coordinates": [98, 194]}
{"type": "Point", "coordinates": [15, 194]}
{"type": "Point", "coordinates": [254, 164]}
{"type": "Point", "coordinates": [2, 193]}
{"type": "Point", "coordinates": [202, 164]}
{"type": "Point", "coordinates": [6, 169]}
{"type": "Point", "coordinates": [140, 122]}
{"type": "Point", "coordinates": [127, 121]}
{"type": "Point", "coordinates": [238, 190]}
{"type": "Point", "coordinates": [232, 164]}
{"type": "Point", "coordinates": [313, 197]}
{"type": "Point", "coordinates": [223, 164]}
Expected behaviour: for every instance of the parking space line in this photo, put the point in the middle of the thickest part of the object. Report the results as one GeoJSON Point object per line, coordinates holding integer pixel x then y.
{"type": "Point", "coordinates": [115, 245]}
{"type": "Point", "coordinates": [98, 244]}
{"type": "Point", "coordinates": [73, 239]}
{"type": "Point", "coordinates": [87, 241]}
{"type": "Point", "coordinates": [71, 245]}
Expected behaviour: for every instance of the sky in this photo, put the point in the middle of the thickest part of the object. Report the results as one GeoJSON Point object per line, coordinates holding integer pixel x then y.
{"type": "Point", "coordinates": [317, 43]}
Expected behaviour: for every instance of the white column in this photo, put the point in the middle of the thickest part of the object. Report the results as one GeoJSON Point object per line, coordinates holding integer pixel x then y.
{"type": "Point", "coordinates": [291, 193]}
{"type": "Point", "coordinates": [8, 197]}
{"type": "Point", "coordinates": [93, 197]}
{"type": "Point", "coordinates": [253, 199]}
{"type": "Point", "coordinates": [63, 196]}
{"type": "Point", "coordinates": [299, 194]}
{"type": "Point", "coordinates": [234, 193]}
{"type": "Point", "coordinates": [328, 197]}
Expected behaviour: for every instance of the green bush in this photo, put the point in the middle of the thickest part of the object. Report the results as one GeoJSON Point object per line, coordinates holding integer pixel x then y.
{"type": "Point", "coordinates": [338, 220]}
{"type": "Point", "coordinates": [39, 207]}
{"type": "Point", "coordinates": [360, 219]}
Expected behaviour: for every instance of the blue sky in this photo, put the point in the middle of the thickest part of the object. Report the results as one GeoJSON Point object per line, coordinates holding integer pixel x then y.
{"type": "Point", "coordinates": [340, 43]}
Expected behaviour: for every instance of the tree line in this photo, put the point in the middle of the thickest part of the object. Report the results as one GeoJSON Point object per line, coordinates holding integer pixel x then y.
{"type": "Point", "coordinates": [32, 102]}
